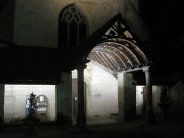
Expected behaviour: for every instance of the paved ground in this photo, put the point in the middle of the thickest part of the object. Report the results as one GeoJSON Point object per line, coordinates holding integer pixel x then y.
{"type": "Point", "coordinates": [172, 127]}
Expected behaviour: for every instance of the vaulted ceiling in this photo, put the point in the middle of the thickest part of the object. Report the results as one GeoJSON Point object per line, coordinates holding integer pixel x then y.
{"type": "Point", "coordinates": [119, 49]}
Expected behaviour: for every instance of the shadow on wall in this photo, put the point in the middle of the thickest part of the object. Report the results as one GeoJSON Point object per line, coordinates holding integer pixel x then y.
{"type": "Point", "coordinates": [63, 120]}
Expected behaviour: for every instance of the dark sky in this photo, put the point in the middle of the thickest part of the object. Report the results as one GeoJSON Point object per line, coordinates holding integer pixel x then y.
{"type": "Point", "coordinates": [165, 18]}
{"type": "Point", "coordinates": [164, 14]}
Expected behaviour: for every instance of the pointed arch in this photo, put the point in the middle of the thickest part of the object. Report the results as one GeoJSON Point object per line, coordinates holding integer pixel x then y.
{"type": "Point", "coordinates": [73, 27]}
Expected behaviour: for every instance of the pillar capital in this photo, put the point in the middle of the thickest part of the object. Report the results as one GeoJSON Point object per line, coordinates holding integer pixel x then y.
{"type": "Point", "coordinates": [81, 66]}
{"type": "Point", "coordinates": [146, 69]}
{"type": "Point", "coordinates": [149, 102]}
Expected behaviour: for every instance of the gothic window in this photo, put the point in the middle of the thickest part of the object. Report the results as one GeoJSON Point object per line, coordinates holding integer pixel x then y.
{"type": "Point", "coordinates": [72, 27]}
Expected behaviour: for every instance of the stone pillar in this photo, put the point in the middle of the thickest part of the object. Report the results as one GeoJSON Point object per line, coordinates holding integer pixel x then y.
{"type": "Point", "coordinates": [126, 96]}
{"type": "Point", "coordinates": [64, 99]}
{"type": "Point", "coordinates": [81, 117]}
{"type": "Point", "coordinates": [149, 102]}
{"type": "Point", "coordinates": [121, 96]}
{"type": "Point", "coordinates": [1, 102]}
{"type": "Point", "coordinates": [1, 106]}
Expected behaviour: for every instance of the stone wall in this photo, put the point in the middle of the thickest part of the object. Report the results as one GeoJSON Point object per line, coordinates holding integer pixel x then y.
{"type": "Point", "coordinates": [1, 102]}
{"type": "Point", "coordinates": [64, 99]}
{"type": "Point", "coordinates": [139, 100]}
{"type": "Point", "coordinates": [156, 89]}
{"type": "Point", "coordinates": [101, 94]}
{"type": "Point", "coordinates": [177, 98]}
{"type": "Point", "coordinates": [36, 22]}
{"type": "Point", "coordinates": [6, 21]}
{"type": "Point", "coordinates": [126, 96]}
{"type": "Point", "coordinates": [15, 100]}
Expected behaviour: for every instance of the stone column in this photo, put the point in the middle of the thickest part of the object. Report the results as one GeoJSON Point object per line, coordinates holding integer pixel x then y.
{"type": "Point", "coordinates": [1, 106]}
{"type": "Point", "coordinates": [81, 117]}
{"type": "Point", "coordinates": [121, 96]}
{"type": "Point", "coordinates": [149, 105]}
{"type": "Point", "coordinates": [1, 102]}
{"type": "Point", "coordinates": [126, 96]}
{"type": "Point", "coordinates": [64, 99]}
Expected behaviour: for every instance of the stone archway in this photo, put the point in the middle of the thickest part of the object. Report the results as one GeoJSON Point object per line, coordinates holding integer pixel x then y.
{"type": "Point", "coordinates": [117, 48]}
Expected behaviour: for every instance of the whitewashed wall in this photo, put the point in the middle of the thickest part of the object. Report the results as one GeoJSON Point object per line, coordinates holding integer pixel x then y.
{"type": "Point", "coordinates": [155, 97]}
{"type": "Point", "coordinates": [102, 94]}
{"type": "Point", "coordinates": [139, 100]}
{"type": "Point", "coordinates": [15, 100]}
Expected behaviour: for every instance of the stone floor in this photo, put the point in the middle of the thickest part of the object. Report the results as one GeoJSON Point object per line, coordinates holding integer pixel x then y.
{"type": "Point", "coordinates": [172, 127]}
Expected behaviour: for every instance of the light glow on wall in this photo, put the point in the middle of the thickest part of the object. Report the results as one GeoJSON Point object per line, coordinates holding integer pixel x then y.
{"type": "Point", "coordinates": [101, 94]}
{"type": "Point", "coordinates": [16, 96]}
{"type": "Point", "coordinates": [139, 100]}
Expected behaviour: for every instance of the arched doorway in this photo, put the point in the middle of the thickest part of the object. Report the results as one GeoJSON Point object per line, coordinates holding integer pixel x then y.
{"type": "Point", "coordinates": [120, 52]}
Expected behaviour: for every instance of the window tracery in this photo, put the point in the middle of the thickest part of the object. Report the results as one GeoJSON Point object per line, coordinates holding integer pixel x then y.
{"type": "Point", "coordinates": [72, 27]}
